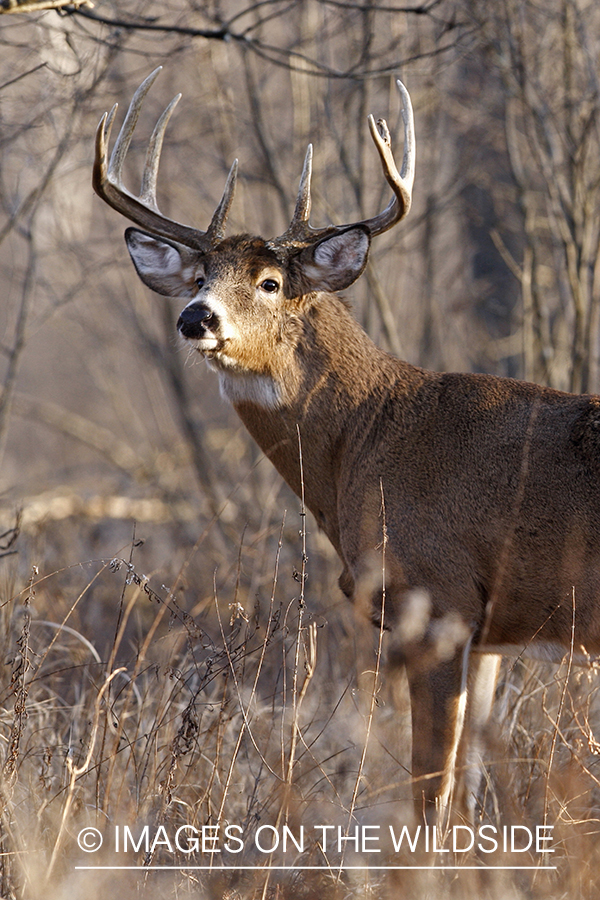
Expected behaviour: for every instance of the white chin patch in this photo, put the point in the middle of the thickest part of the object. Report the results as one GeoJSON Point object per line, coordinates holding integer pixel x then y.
{"type": "Point", "coordinates": [204, 345]}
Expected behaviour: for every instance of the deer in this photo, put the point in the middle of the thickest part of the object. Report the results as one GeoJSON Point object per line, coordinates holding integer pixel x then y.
{"type": "Point", "coordinates": [464, 507]}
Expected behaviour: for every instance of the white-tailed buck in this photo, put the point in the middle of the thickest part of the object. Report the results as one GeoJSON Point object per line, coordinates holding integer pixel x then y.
{"type": "Point", "coordinates": [489, 488]}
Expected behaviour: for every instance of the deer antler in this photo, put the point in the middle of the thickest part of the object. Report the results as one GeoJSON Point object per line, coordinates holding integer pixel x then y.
{"type": "Point", "coordinates": [301, 234]}
{"type": "Point", "coordinates": [143, 210]}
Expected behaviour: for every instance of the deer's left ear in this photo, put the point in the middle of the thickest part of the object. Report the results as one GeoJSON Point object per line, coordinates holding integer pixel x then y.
{"type": "Point", "coordinates": [336, 262]}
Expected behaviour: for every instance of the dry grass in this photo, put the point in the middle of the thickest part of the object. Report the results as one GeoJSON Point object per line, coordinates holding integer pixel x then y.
{"type": "Point", "coordinates": [243, 696]}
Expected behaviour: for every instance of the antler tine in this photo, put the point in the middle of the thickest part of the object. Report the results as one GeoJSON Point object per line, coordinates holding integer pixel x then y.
{"type": "Point", "coordinates": [400, 182]}
{"type": "Point", "coordinates": [300, 234]}
{"type": "Point", "coordinates": [148, 189]}
{"type": "Point", "coordinates": [143, 210]}
{"type": "Point", "coordinates": [303, 201]}
{"type": "Point", "coordinates": [408, 159]}
{"type": "Point", "coordinates": [216, 229]}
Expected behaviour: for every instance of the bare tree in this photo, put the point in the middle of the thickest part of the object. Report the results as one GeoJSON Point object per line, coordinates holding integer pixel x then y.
{"type": "Point", "coordinates": [546, 56]}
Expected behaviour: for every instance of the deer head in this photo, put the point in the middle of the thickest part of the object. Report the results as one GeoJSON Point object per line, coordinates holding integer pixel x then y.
{"type": "Point", "coordinates": [244, 293]}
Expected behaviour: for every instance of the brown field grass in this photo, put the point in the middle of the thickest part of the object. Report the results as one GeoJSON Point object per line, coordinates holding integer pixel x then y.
{"type": "Point", "coordinates": [235, 694]}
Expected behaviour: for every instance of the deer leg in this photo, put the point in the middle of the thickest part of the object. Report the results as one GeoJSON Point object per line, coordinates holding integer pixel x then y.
{"type": "Point", "coordinates": [437, 699]}
{"type": "Point", "coordinates": [483, 675]}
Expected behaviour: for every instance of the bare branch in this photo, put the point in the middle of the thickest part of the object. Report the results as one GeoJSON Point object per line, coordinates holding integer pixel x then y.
{"type": "Point", "coordinates": [29, 6]}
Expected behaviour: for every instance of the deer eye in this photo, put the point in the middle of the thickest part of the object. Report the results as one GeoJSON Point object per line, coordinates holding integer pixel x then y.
{"type": "Point", "coordinates": [270, 286]}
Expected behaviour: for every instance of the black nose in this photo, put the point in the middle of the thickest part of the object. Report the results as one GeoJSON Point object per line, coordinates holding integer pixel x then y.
{"type": "Point", "coordinates": [193, 320]}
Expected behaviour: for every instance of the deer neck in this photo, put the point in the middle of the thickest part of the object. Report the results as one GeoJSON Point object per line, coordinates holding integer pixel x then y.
{"type": "Point", "coordinates": [311, 409]}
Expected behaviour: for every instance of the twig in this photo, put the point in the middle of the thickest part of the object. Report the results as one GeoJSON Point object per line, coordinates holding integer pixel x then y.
{"type": "Point", "coordinates": [76, 771]}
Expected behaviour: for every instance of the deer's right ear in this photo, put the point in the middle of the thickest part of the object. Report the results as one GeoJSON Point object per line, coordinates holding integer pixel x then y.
{"type": "Point", "coordinates": [163, 266]}
{"type": "Point", "coordinates": [337, 261]}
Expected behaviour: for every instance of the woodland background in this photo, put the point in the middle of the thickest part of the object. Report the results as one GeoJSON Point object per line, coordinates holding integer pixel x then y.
{"type": "Point", "coordinates": [113, 446]}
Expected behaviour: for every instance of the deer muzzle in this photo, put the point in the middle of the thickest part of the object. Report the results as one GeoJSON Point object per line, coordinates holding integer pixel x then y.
{"type": "Point", "coordinates": [195, 321]}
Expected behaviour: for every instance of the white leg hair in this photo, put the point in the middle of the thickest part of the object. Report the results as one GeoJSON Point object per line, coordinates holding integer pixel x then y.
{"type": "Point", "coordinates": [482, 679]}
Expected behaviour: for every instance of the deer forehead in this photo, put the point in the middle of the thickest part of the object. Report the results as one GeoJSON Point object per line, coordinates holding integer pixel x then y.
{"type": "Point", "coordinates": [243, 258]}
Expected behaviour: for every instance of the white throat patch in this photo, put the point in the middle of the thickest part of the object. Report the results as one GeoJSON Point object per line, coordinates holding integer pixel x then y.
{"type": "Point", "coordinates": [262, 390]}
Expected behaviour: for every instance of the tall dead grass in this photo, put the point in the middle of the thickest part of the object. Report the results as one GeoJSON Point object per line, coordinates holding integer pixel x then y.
{"type": "Point", "coordinates": [245, 708]}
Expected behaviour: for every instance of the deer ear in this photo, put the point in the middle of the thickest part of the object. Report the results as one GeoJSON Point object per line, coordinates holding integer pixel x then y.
{"type": "Point", "coordinates": [164, 266]}
{"type": "Point", "coordinates": [336, 262]}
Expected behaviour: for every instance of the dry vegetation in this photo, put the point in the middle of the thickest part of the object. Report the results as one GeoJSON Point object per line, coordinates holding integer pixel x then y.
{"type": "Point", "coordinates": [122, 708]}
{"type": "Point", "coordinates": [176, 650]}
